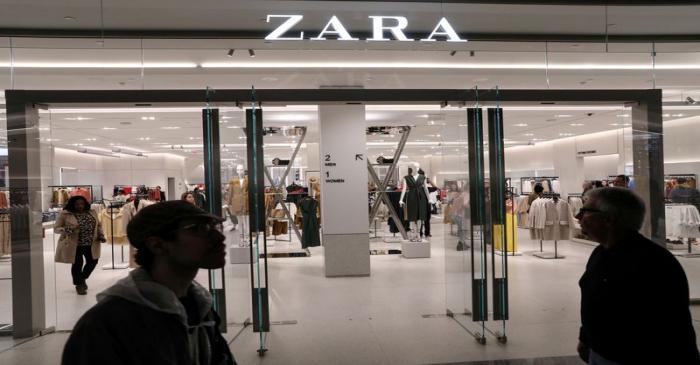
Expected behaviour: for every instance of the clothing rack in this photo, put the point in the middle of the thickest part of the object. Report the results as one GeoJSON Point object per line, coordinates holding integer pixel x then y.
{"type": "Point", "coordinates": [122, 265]}
{"type": "Point", "coordinates": [90, 188]}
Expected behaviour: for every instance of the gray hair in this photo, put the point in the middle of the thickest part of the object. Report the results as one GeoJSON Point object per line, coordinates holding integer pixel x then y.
{"type": "Point", "coordinates": [621, 203]}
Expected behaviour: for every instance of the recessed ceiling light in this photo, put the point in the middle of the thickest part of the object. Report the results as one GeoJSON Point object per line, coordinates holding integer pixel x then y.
{"type": "Point", "coordinates": [148, 118]}
{"type": "Point", "coordinates": [69, 18]}
{"type": "Point", "coordinates": [233, 127]}
{"type": "Point", "coordinates": [566, 134]}
{"type": "Point", "coordinates": [144, 138]}
{"type": "Point", "coordinates": [666, 115]}
{"type": "Point", "coordinates": [78, 118]}
{"type": "Point", "coordinates": [678, 115]}
{"type": "Point", "coordinates": [520, 125]}
{"type": "Point", "coordinates": [563, 116]}
{"type": "Point", "coordinates": [528, 134]}
{"type": "Point", "coordinates": [169, 128]}
{"type": "Point", "coordinates": [577, 124]}
{"type": "Point", "coordinates": [615, 124]}
{"type": "Point", "coordinates": [623, 115]}
{"type": "Point", "coordinates": [108, 128]}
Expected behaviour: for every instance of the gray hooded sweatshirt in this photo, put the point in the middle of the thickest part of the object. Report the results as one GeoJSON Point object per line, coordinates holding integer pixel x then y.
{"type": "Point", "coordinates": [139, 321]}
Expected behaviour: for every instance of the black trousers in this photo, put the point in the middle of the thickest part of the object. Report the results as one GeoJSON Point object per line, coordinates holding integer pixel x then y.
{"type": "Point", "coordinates": [426, 224]}
{"type": "Point", "coordinates": [79, 272]}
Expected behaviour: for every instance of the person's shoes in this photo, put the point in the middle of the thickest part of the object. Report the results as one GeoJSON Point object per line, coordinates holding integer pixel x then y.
{"type": "Point", "coordinates": [81, 289]}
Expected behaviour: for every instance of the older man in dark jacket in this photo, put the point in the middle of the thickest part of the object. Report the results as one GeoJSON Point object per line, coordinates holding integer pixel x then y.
{"type": "Point", "coordinates": [634, 293]}
{"type": "Point", "coordinates": [158, 314]}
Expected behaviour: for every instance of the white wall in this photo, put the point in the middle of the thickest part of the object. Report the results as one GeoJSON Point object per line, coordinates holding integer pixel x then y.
{"type": "Point", "coordinates": [87, 169]}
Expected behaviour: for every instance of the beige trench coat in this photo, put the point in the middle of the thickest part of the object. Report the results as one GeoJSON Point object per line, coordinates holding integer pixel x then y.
{"type": "Point", "coordinates": [68, 243]}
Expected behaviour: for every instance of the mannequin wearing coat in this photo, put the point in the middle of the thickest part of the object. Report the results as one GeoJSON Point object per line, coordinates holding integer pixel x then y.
{"type": "Point", "coordinates": [238, 201]}
{"type": "Point", "coordinates": [80, 237]}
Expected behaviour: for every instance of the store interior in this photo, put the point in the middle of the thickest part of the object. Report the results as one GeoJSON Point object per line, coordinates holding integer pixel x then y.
{"type": "Point", "coordinates": [117, 155]}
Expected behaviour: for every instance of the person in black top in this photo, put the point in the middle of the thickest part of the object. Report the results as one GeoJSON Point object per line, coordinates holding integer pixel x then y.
{"type": "Point", "coordinates": [158, 314]}
{"type": "Point", "coordinates": [634, 293]}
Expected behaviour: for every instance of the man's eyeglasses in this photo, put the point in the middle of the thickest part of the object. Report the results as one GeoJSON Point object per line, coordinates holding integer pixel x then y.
{"type": "Point", "coordinates": [203, 229]}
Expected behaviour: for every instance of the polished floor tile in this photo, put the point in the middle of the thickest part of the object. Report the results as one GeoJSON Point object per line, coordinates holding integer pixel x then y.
{"type": "Point", "coordinates": [395, 316]}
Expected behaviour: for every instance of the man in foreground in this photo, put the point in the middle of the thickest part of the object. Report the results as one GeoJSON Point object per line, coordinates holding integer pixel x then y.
{"type": "Point", "coordinates": [634, 293]}
{"type": "Point", "coordinates": [158, 314]}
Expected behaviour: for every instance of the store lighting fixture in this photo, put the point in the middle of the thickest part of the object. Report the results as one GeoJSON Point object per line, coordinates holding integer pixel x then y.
{"type": "Point", "coordinates": [119, 150]}
{"type": "Point", "coordinates": [577, 124]}
{"type": "Point", "coordinates": [251, 52]}
{"type": "Point", "coordinates": [103, 65]}
{"type": "Point", "coordinates": [96, 152]}
{"type": "Point", "coordinates": [77, 118]}
{"type": "Point", "coordinates": [144, 138]}
{"type": "Point", "coordinates": [563, 116]}
{"type": "Point", "coordinates": [679, 115]}
{"type": "Point", "coordinates": [108, 128]}
{"type": "Point", "coordinates": [230, 52]}
{"type": "Point", "coordinates": [169, 128]}
{"type": "Point", "coordinates": [528, 134]}
{"type": "Point", "coordinates": [520, 125]}
{"type": "Point", "coordinates": [623, 115]}
{"type": "Point", "coordinates": [148, 118]}
{"type": "Point", "coordinates": [565, 134]}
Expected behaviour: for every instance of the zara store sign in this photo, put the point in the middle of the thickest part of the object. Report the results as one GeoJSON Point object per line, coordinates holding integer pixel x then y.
{"type": "Point", "coordinates": [381, 25]}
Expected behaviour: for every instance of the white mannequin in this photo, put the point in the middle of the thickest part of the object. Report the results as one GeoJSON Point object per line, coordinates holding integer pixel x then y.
{"type": "Point", "coordinates": [243, 219]}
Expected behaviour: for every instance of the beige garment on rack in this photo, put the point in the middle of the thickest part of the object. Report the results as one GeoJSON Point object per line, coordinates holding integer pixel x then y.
{"type": "Point", "coordinates": [114, 222]}
{"type": "Point", "coordinates": [5, 234]}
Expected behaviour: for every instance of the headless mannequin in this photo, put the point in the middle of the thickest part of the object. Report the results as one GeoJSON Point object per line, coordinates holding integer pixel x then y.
{"type": "Point", "coordinates": [424, 187]}
{"type": "Point", "coordinates": [243, 219]}
{"type": "Point", "coordinates": [413, 233]}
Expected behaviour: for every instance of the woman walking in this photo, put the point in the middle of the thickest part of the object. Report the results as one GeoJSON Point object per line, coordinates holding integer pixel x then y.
{"type": "Point", "coordinates": [81, 236]}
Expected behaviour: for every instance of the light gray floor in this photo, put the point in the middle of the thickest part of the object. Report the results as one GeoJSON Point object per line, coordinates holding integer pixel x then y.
{"type": "Point", "coordinates": [378, 319]}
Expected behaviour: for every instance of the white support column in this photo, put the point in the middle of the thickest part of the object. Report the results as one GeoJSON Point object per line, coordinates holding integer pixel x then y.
{"type": "Point", "coordinates": [344, 190]}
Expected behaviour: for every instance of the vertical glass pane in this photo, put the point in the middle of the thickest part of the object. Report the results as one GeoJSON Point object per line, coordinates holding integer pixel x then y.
{"type": "Point", "coordinates": [116, 157]}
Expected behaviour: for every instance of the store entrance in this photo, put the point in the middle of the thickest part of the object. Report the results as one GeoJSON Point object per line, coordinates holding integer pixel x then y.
{"type": "Point", "coordinates": [298, 174]}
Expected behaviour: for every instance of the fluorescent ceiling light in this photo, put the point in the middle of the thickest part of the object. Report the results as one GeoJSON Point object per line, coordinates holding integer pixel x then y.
{"type": "Point", "coordinates": [119, 150]}
{"type": "Point", "coordinates": [577, 124]}
{"type": "Point", "coordinates": [451, 65]}
{"type": "Point", "coordinates": [92, 151]}
{"type": "Point", "coordinates": [108, 128]}
{"type": "Point", "coordinates": [520, 125]}
{"type": "Point", "coordinates": [136, 65]}
{"type": "Point", "coordinates": [169, 128]}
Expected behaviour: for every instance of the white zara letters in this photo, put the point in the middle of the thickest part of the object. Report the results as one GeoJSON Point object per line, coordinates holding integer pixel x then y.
{"type": "Point", "coordinates": [381, 25]}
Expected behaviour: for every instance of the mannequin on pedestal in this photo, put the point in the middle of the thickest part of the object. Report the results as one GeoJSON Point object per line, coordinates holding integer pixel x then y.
{"type": "Point", "coordinates": [423, 204]}
{"type": "Point", "coordinates": [412, 204]}
{"type": "Point", "coordinates": [238, 201]}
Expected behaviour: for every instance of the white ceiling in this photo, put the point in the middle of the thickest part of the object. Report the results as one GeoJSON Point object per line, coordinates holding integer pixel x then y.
{"type": "Point", "coordinates": [435, 130]}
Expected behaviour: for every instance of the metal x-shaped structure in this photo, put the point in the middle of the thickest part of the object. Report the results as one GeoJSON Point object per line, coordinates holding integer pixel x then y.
{"type": "Point", "coordinates": [279, 187]}
{"type": "Point", "coordinates": [405, 131]}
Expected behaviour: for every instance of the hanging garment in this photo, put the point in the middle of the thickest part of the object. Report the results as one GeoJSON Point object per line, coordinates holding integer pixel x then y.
{"type": "Point", "coordinates": [310, 227]}
{"type": "Point", "coordinates": [5, 237]}
{"type": "Point", "coordinates": [113, 226]}
{"type": "Point", "coordinates": [394, 197]}
{"type": "Point", "coordinates": [682, 221]}
{"type": "Point", "coordinates": [4, 201]}
{"type": "Point", "coordinates": [536, 218]}
{"type": "Point", "coordinates": [422, 199]}
{"type": "Point", "coordinates": [411, 211]}
{"type": "Point", "coordinates": [556, 186]}
{"type": "Point", "coordinates": [279, 227]}
{"type": "Point", "coordinates": [238, 196]}
{"type": "Point", "coordinates": [511, 234]}
{"type": "Point", "coordinates": [558, 220]}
